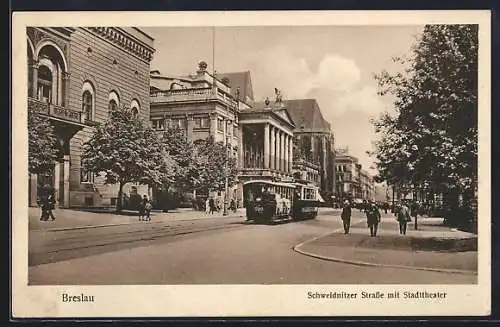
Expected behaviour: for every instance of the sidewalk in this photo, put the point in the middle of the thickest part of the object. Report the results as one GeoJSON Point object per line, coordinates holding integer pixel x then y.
{"type": "Point", "coordinates": [431, 247]}
{"type": "Point", "coordinates": [77, 218]}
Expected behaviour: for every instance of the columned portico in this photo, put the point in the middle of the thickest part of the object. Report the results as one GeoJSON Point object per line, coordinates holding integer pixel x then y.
{"type": "Point", "coordinates": [266, 147]}
{"type": "Point", "coordinates": [266, 135]}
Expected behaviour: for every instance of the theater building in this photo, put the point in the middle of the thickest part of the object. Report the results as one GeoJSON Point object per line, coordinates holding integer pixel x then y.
{"type": "Point", "coordinates": [75, 77]}
{"type": "Point", "coordinates": [222, 106]}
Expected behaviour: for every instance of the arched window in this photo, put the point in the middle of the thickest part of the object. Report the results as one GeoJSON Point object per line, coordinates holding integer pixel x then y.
{"type": "Point", "coordinates": [114, 101]}
{"type": "Point", "coordinates": [44, 83]}
{"type": "Point", "coordinates": [135, 107]}
{"type": "Point", "coordinates": [135, 112]}
{"type": "Point", "coordinates": [87, 104]}
{"type": "Point", "coordinates": [88, 101]}
{"type": "Point", "coordinates": [112, 105]}
{"type": "Point", "coordinates": [52, 67]}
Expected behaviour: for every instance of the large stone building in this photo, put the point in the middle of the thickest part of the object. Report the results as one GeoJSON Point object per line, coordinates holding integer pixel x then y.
{"type": "Point", "coordinates": [314, 142]}
{"type": "Point", "coordinates": [352, 181]}
{"type": "Point", "coordinates": [76, 76]}
{"type": "Point", "coordinates": [260, 135]}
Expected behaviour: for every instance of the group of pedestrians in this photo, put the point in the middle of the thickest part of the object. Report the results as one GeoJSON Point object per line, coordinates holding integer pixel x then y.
{"type": "Point", "coordinates": [212, 206]}
{"type": "Point", "coordinates": [47, 202]}
{"type": "Point", "coordinates": [373, 216]}
{"type": "Point", "coordinates": [145, 209]}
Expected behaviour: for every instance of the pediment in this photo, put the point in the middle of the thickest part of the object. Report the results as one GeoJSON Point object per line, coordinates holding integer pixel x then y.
{"type": "Point", "coordinates": [283, 113]}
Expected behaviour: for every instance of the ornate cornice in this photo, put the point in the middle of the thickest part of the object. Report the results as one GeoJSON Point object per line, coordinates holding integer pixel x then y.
{"type": "Point", "coordinates": [125, 41]}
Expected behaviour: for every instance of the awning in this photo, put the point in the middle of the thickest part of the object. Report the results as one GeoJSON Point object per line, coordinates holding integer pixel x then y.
{"type": "Point", "coordinates": [318, 196]}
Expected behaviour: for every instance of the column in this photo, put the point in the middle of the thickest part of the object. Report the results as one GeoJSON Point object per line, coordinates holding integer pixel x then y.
{"type": "Point", "coordinates": [290, 153]}
{"type": "Point", "coordinates": [282, 151]}
{"type": "Point", "coordinates": [241, 151]}
{"type": "Point", "coordinates": [213, 125]}
{"type": "Point", "coordinates": [66, 180]}
{"type": "Point", "coordinates": [224, 131]}
{"type": "Point", "coordinates": [277, 156]}
{"type": "Point", "coordinates": [35, 79]}
{"type": "Point", "coordinates": [65, 89]}
{"type": "Point", "coordinates": [33, 180]}
{"type": "Point", "coordinates": [266, 146]}
{"type": "Point", "coordinates": [286, 153]}
{"type": "Point", "coordinates": [190, 126]}
{"type": "Point", "coordinates": [57, 182]}
{"type": "Point", "coordinates": [272, 164]}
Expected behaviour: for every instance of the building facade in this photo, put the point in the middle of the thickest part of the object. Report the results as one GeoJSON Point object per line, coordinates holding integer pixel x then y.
{"type": "Point", "coordinates": [367, 186]}
{"type": "Point", "coordinates": [352, 181]}
{"type": "Point", "coordinates": [314, 141]}
{"type": "Point", "coordinates": [260, 136]}
{"type": "Point", "coordinates": [75, 77]}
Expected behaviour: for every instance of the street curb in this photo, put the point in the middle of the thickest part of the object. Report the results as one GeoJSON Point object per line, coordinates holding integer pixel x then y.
{"type": "Point", "coordinates": [297, 249]}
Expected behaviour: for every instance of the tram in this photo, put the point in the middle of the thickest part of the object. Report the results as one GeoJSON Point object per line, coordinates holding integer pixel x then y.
{"type": "Point", "coordinates": [269, 201]}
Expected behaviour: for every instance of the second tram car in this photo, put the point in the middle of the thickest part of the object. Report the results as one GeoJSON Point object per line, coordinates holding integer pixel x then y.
{"type": "Point", "coordinates": [268, 201]}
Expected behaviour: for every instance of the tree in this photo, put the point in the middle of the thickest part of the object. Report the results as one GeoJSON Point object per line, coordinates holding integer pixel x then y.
{"type": "Point", "coordinates": [432, 137]}
{"type": "Point", "coordinates": [126, 150]}
{"type": "Point", "coordinates": [42, 143]}
{"type": "Point", "coordinates": [212, 158]}
{"type": "Point", "coordinates": [185, 166]}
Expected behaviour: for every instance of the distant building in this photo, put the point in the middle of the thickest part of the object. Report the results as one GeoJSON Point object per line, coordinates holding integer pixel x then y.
{"type": "Point", "coordinates": [76, 76]}
{"type": "Point", "coordinates": [383, 193]}
{"type": "Point", "coordinates": [352, 181]}
{"type": "Point", "coordinates": [260, 136]}
{"type": "Point", "coordinates": [367, 186]}
{"type": "Point", "coordinates": [314, 141]}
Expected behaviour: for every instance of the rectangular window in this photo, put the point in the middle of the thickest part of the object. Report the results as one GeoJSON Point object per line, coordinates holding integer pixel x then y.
{"type": "Point", "coordinates": [181, 123]}
{"type": "Point", "coordinates": [201, 122]}
{"type": "Point", "coordinates": [86, 176]}
{"type": "Point", "coordinates": [158, 124]}
{"type": "Point", "coordinates": [220, 125]}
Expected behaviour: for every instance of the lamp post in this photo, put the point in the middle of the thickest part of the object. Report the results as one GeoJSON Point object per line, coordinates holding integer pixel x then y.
{"type": "Point", "coordinates": [226, 173]}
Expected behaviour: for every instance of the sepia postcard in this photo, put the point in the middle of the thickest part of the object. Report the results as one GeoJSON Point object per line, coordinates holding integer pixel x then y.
{"type": "Point", "coordinates": [247, 164]}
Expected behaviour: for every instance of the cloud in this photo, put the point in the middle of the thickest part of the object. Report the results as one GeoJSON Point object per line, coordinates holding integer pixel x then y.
{"type": "Point", "coordinates": [345, 101]}
{"type": "Point", "coordinates": [337, 73]}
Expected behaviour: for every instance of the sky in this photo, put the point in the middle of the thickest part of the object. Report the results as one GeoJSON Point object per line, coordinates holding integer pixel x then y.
{"type": "Point", "coordinates": [333, 64]}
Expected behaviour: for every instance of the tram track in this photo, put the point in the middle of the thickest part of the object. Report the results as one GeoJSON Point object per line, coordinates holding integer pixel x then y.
{"type": "Point", "coordinates": [77, 243]}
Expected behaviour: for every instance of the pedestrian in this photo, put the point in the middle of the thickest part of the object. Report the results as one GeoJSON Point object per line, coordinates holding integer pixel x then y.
{"type": "Point", "coordinates": [207, 205]}
{"type": "Point", "coordinates": [43, 203]}
{"type": "Point", "coordinates": [142, 208]}
{"type": "Point", "coordinates": [232, 205]}
{"type": "Point", "coordinates": [48, 203]}
{"type": "Point", "coordinates": [403, 217]}
{"type": "Point", "coordinates": [372, 218]}
{"type": "Point", "coordinates": [346, 216]}
{"type": "Point", "coordinates": [211, 204]}
{"type": "Point", "coordinates": [147, 210]}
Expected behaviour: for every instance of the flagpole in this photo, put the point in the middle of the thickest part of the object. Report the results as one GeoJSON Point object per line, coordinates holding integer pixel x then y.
{"type": "Point", "coordinates": [226, 168]}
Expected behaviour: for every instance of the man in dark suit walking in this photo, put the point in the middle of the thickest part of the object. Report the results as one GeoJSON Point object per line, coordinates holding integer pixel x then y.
{"type": "Point", "coordinates": [372, 218]}
{"type": "Point", "coordinates": [346, 216]}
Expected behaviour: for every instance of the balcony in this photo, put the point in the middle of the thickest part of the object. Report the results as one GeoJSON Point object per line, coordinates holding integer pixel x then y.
{"type": "Point", "coordinates": [200, 94]}
{"type": "Point", "coordinates": [55, 111]}
{"type": "Point", "coordinates": [265, 172]}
